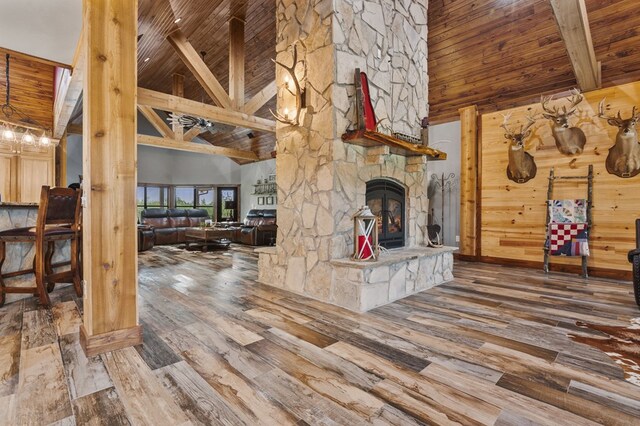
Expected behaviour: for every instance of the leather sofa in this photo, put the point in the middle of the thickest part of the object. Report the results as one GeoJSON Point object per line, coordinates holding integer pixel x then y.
{"type": "Point", "coordinates": [169, 225]}
{"type": "Point", "coordinates": [259, 228]}
{"type": "Point", "coordinates": [146, 237]}
{"type": "Point", "coordinates": [634, 258]}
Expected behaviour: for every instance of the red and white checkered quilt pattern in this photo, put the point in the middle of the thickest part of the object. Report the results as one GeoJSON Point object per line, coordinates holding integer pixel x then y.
{"type": "Point", "coordinates": [561, 233]}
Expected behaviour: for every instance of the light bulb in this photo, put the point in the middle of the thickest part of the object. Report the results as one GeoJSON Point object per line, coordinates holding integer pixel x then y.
{"type": "Point", "coordinates": [28, 138]}
{"type": "Point", "coordinates": [8, 135]}
{"type": "Point", "coordinates": [45, 141]}
{"type": "Point", "coordinates": [286, 113]}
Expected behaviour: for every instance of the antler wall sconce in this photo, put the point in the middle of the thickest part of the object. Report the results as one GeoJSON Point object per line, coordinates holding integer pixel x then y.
{"type": "Point", "coordinates": [295, 86]}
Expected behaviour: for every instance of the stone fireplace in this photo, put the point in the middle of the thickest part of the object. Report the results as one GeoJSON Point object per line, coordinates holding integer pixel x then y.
{"type": "Point", "coordinates": [323, 181]}
{"type": "Point", "coordinates": [386, 200]}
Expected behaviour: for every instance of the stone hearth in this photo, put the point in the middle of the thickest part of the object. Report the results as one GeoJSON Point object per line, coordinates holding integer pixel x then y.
{"type": "Point", "coordinates": [321, 180]}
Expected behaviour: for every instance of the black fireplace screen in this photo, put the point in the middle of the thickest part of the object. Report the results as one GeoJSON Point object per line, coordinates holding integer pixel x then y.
{"type": "Point", "coordinates": [386, 200]}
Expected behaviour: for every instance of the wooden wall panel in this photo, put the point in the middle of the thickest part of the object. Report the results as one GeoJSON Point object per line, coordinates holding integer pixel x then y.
{"type": "Point", "coordinates": [513, 215]}
{"type": "Point", "coordinates": [31, 87]}
{"type": "Point", "coordinates": [502, 54]}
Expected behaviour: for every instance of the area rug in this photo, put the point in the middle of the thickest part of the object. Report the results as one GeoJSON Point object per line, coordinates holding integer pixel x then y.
{"type": "Point", "coordinates": [622, 346]}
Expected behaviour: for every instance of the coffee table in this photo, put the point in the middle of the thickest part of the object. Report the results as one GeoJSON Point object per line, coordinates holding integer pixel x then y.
{"type": "Point", "coordinates": [208, 238]}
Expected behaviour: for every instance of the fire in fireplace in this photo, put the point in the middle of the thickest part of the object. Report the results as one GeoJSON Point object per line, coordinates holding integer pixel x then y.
{"type": "Point", "coordinates": [386, 200]}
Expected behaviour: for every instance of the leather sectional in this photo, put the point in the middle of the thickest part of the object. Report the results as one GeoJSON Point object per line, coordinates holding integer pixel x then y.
{"type": "Point", "coordinates": [168, 226]}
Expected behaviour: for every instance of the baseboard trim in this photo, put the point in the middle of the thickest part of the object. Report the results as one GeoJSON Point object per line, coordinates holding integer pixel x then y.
{"type": "Point", "coordinates": [111, 341]}
{"type": "Point", "coordinates": [554, 267]}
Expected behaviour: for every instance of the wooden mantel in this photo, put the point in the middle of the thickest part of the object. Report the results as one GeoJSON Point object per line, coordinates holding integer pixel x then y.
{"type": "Point", "coordinates": [397, 146]}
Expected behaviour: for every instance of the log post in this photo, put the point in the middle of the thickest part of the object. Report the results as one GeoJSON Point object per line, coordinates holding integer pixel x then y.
{"type": "Point", "coordinates": [468, 180]}
{"type": "Point", "coordinates": [109, 158]}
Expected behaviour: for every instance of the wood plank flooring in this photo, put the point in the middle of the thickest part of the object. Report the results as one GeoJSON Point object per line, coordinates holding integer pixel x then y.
{"type": "Point", "coordinates": [489, 348]}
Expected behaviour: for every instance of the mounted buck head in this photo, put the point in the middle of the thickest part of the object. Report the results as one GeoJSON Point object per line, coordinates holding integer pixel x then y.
{"type": "Point", "coordinates": [569, 140]}
{"type": "Point", "coordinates": [522, 166]}
{"type": "Point", "coordinates": [624, 156]}
{"type": "Point", "coordinates": [517, 139]}
{"type": "Point", "coordinates": [627, 127]}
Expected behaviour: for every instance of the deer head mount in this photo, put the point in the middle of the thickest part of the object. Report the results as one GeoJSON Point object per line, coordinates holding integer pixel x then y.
{"type": "Point", "coordinates": [623, 159]}
{"type": "Point", "coordinates": [298, 88]}
{"type": "Point", "coordinates": [569, 140]}
{"type": "Point", "coordinates": [522, 167]}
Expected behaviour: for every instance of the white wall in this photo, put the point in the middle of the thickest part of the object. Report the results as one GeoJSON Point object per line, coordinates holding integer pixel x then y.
{"type": "Point", "coordinates": [250, 175]}
{"type": "Point", "coordinates": [446, 137]}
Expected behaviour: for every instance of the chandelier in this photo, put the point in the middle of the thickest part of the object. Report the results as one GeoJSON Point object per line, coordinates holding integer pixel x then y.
{"type": "Point", "coordinates": [191, 121]}
{"type": "Point", "coordinates": [25, 132]}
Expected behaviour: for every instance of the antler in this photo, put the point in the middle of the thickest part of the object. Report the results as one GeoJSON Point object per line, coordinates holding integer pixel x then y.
{"type": "Point", "coordinates": [298, 90]}
{"type": "Point", "coordinates": [601, 112]}
{"type": "Point", "coordinates": [510, 133]}
{"type": "Point", "coordinates": [530, 120]}
{"type": "Point", "coordinates": [544, 100]}
{"type": "Point", "coordinates": [575, 99]}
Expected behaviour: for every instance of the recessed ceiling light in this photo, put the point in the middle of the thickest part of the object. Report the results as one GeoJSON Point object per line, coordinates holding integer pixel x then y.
{"type": "Point", "coordinates": [147, 59]}
{"type": "Point", "coordinates": [177, 20]}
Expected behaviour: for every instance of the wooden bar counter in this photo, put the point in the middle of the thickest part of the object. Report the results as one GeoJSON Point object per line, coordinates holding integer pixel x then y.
{"type": "Point", "coordinates": [20, 255]}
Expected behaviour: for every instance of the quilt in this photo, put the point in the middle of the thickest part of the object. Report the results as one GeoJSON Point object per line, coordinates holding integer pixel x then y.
{"type": "Point", "coordinates": [568, 239]}
{"type": "Point", "coordinates": [568, 211]}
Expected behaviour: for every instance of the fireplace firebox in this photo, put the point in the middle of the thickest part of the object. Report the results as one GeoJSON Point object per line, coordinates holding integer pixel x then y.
{"type": "Point", "coordinates": [386, 200]}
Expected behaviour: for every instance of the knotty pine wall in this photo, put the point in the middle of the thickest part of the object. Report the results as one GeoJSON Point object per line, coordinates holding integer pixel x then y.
{"type": "Point", "coordinates": [513, 215]}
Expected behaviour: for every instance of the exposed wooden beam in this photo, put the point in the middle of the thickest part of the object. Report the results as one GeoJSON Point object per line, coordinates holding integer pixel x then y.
{"type": "Point", "coordinates": [196, 65]}
{"type": "Point", "coordinates": [175, 104]}
{"type": "Point", "coordinates": [196, 147]}
{"type": "Point", "coordinates": [236, 63]}
{"type": "Point", "coordinates": [573, 22]}
{"type": "Point", "coordinates": [157, 122]}
{"type": "Point", "coordinates": [69, 90]}
{"type": "Point", "coordinates": [110, 258]}
{"type": "Point", "coordinates": [192, 133]}
{"type": "Point", "coordinates": [178, 90]}
{"type": "Point", "coordinates": [74, 129]}
{"type": "Point", "coordinates": [261, 98]}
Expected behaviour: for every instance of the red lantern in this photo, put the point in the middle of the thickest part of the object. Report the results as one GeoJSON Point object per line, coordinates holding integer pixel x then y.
{"type": "Point", "coordinates": [365, 235]}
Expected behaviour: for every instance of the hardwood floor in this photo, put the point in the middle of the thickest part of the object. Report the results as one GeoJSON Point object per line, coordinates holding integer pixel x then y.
{"type": "Point", "coordinates": [491, 347]}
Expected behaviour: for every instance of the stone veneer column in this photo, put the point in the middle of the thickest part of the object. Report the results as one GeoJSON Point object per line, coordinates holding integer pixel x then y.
{"type": "Point", "coordinates": [322, 181]}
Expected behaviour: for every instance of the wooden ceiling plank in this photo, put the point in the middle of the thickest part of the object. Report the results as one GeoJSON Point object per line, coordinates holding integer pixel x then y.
{"type": "Point", "coordinates": [236, 63]}
{"type": "Point", "coordinates": [197, 66]}
{"type": "Point", "coordinates": [157, 122]}
{"type": "Point", "coordinates": [261, 98]}
{"type": "Point", "coordinates": [195, 147]}
{"type": "Point", "coordinates": [179, 105]}
{"type": "Point", "coordinates": [69, 90]}
{"type": "Point", "coordinates": [573, 23]}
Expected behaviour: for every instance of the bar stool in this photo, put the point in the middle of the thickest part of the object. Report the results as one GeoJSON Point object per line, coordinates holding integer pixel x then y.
{"type": "Point", "coordinates": [58, 220]}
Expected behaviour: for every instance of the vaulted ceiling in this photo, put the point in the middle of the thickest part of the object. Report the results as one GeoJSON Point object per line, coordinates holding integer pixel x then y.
{"type": "Point", "coordinates": [205, 23]}
{"type": "Point", "coordinates": [503, 53]}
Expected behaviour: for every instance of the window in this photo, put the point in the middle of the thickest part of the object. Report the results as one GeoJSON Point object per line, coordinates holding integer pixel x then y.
{"type": "Point", "coordinates": [152, 196]}
{"type": "Point", "coordinates": [228, 204]}
{"type": "Point", "coordinates": [185, 197]}
{"type": "Point", "coordinates": [204, 199]}
{"type": "Point", "coordinates": [221, 203]}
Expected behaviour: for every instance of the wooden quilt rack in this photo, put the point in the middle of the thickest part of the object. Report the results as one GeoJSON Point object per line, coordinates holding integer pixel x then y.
{"type": "Point", "coordinates": [552, 179]}
{"type": "Point", "coordinates": [366, 133]}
